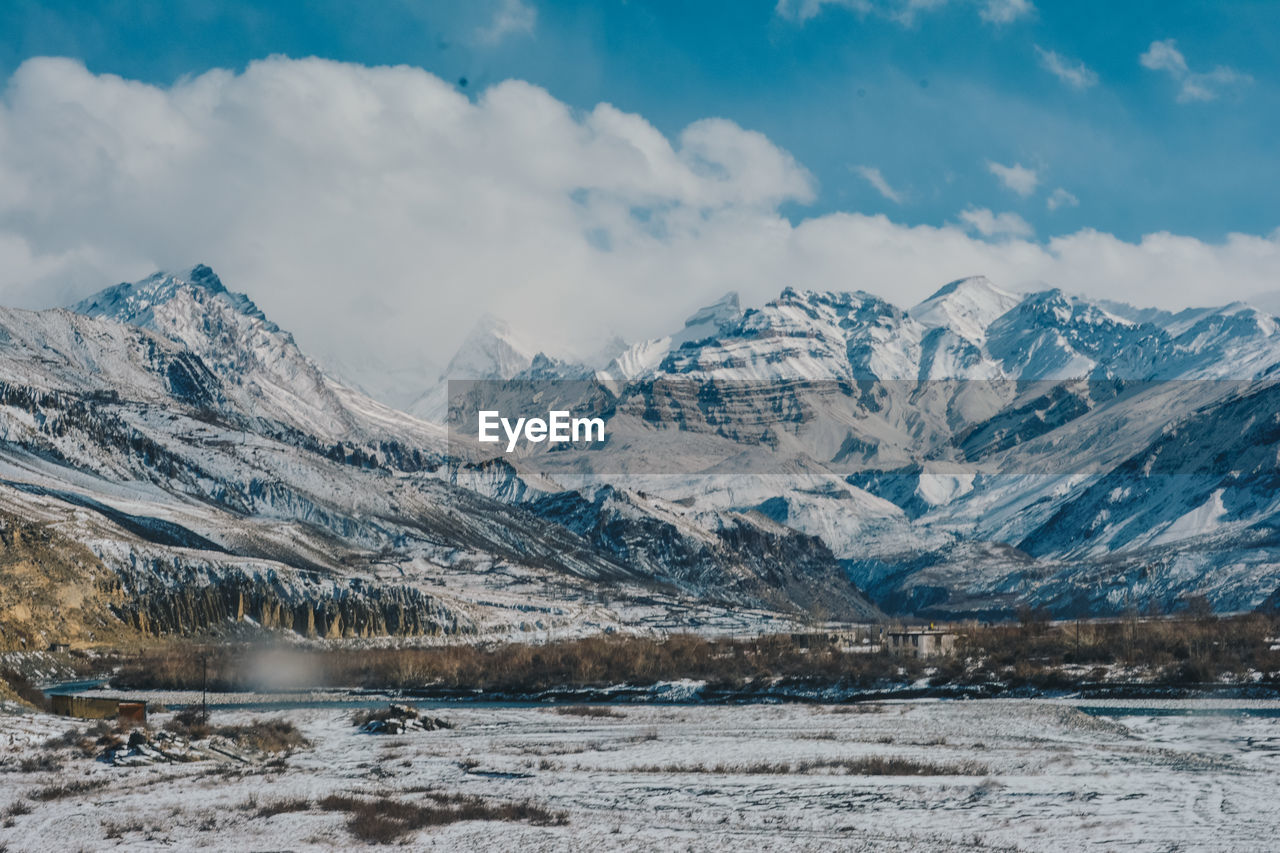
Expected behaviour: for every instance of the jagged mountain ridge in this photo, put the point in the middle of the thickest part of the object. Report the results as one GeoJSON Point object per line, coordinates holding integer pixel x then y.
{"type": "Point", "coordinates": [977, 422]}
{"type": "Point", "coordinates": [199, 483]}
{"type": "Point", "coordinates": [952, 459]}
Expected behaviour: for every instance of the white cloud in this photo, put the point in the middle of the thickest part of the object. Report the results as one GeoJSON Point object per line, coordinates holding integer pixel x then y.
{"type": "Point", "coordinates": [1060, 198]}
{"type": "Point", "coordinates": [378, 212]}
{"type": "Point", "coordinates": [803, 10]}
{"type": "Point", "coordinates": [1073, 72]}
{"type": "Point", "coordinates": [1209, 85]}
{"type": "Point", "coordinates": [1164, 56]}
{"type": "Point", "coordinates": [904, 12]}
{"type": "Point", "coordinates": [1192, 85]}
{"type": "Point", "coordinates": [1005, 11]}
{"type": "Point", "coordinates": [872, 176]}
{"type": "Point", "coordinates": [1017, 177]}
{"type": "Point", "coordinates": [512, 17]}
{"type": "Point", "coordinates": [990, 224]}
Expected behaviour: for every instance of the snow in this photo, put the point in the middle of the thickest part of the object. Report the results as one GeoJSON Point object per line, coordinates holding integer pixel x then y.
{"type": "Point", "coordinates": [1205, 518]}
{"type": "Point", "coordinates": [966, 307]}
{"type": "Point", "coordinates": [647, 356]}
{"type": "Point", "coordinates": [994, 417]}
{"type": "Point", "coordinates": [1180, 775]}
{"type": "Point", "coordinates": [942, 487]}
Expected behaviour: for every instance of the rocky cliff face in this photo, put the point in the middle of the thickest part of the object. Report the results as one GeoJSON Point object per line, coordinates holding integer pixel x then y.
{"type": "Point", "coordinates": [317, 610]}
{"type": "Point", "coordinates": [53, 590]}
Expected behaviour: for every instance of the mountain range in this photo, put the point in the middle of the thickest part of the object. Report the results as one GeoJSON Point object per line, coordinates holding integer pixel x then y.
{"type": "Point", "coordinates": [828, 455]}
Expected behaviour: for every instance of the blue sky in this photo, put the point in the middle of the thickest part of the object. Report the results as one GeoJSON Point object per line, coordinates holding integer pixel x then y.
{"type": "Point", "coordinates": [609, 167]}
{"type": "Point", "coordinates": [929, 97]}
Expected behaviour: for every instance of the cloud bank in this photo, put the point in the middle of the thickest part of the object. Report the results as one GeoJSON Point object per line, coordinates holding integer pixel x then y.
{"type": "Point", "coordinates": [1192, 85]}
{"type": "Point", "coordinates": [379, 212]}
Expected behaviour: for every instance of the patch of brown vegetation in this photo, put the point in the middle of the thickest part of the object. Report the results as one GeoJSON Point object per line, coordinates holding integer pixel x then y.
{"type": "Point", "coordinates": [596, 661]}
{"type": "Point", "coordinates": [386, 820]}
{"type": "Point", "coordinates": [597, 711]}
{"type": "Point", "coordinates": [872, 765]}
{"type": "Point", "coordinates": [274, 735]}
{"type": "Point", "coordinates": [64, 790]}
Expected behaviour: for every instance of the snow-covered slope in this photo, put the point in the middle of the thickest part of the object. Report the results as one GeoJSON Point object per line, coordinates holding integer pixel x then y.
{"type": "Point", "coordinates": [975, 452]}
{"type": "Point", "coordinates": [211, 465]}
{"type": "Point", "coordinates": [702, 325]}
{"type": "Point", "coordinates": [970, 446]}
{"type": "Point", "coordinates": [262, 370]}
{"type": "Point", "coordinates": [966, 307]}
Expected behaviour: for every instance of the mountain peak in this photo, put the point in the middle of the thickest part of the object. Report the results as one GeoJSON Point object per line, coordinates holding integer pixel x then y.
{"type": "Point", "coordinates": [724, 310]}
{"type": "Point", "coordinates": [966, 306]}
{"type": "Point", "coordinates": [490, 351]}
{"type": "Point", "coordinates": [202, 276]}
{"type": "Point", "coordinates": [135, 302]}
{"type": "Point", "coordinates": [972, 282]}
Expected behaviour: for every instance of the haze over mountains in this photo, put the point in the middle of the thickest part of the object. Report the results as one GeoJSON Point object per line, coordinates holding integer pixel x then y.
{"type": "Point", "coordinates": [828, 453]}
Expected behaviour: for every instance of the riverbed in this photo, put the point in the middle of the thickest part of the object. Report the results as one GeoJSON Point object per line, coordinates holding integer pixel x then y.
{"type": "Point", "coordinates": [995, 774]}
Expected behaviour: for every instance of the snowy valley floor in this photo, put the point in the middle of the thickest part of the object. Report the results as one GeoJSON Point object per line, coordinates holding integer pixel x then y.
{"type": "Point", "coordinates": [1035, 775]}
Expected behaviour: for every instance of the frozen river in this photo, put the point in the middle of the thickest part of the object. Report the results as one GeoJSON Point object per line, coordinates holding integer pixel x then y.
{"type": "Point", "coordinates": [1014, 774]}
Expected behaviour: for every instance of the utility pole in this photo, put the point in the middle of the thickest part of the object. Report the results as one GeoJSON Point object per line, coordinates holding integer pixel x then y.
{"type": "Point", "coordinates": [204, 694]}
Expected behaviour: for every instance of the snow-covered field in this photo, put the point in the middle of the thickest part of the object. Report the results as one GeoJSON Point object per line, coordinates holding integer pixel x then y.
{"type": "Point", "coordinates": [1037, 774]}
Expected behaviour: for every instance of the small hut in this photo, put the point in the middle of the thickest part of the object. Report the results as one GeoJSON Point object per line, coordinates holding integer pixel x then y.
{"type": "Point", "coordinates": [921, 642]}
{"type": "Point", "coordinates": [98, 708]}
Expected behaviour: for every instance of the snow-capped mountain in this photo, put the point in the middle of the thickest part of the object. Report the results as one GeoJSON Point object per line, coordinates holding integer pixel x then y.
{"type": "Point", "coordinates": [966, 455]}
{"type": "Point", "coordinates": [704, 324]}
{"type": "Point", "coordinates": [212, 468]}
{"type": "Point", "coordinates": [975, 451]}
{"type": "Point", "coordinates": [261, 367]}
{"type": "Point", "coordinates": [491, 351]}
{"type": "Point", "coordinates": [966, 307]}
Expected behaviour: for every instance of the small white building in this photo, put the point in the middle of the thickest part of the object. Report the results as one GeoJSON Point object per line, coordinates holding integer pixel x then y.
{"type": "Point", "coordinates": [921, 642]}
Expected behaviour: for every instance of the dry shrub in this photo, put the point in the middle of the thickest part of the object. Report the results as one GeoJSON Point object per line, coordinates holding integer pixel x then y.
{"type": "Point", "coordinates": [1187, 647]}
{"type": "Point", "coordinates": [43, 762]}
{"type": "Point", "coordinates": [874, 765]}
{"type": "Point", "coordinates": [64, 790]}
{"type": "Point", "coordinates": [597, 711]}
{"type": "Point", "coordinates": [386, 820]}
{"type": "Point", "coordinates": [284, 807]}
{"type": "Point", "coordinates": [191, 722]}
{"type": "Point", "coordinates": [277, 735]}
{"type": "Point", "coordinates": [25, 689]}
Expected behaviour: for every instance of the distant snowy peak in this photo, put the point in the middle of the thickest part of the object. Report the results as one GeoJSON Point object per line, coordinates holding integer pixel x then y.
{"type": "Point", "coordinates": [135, 302]}
{"type": "Point", "coordinates": [260, 365]}
{"type": "Point", "coordinates": [715, 316]}
{"type": "Point", "coordinates": [490, 351]}
{"type": "Point", "coordinates": [814, 335]}
{"type": "Point", "coordinates": [647, 356]}
{"type": "Point", "coordinates": [227, 330]}
{"type": "Point", "coordinates": [966, 306]}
